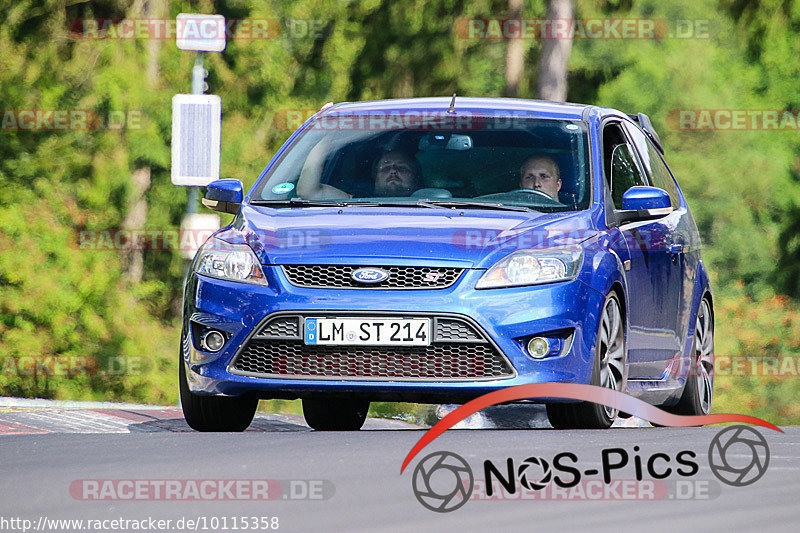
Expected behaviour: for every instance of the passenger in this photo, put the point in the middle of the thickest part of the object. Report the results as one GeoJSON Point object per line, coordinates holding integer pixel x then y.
{"type": "Point", "coordinates": [394, 173]}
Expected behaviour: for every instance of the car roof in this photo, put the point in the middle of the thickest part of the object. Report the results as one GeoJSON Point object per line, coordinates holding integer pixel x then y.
{"type": "Point", "coordinates": [532, 108]}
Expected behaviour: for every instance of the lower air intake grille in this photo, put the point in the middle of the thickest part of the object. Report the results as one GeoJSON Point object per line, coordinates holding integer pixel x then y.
{"type": "Point", "coordinates": [437, 361]}
{"type": "Point", "coordinates": [459, 351]}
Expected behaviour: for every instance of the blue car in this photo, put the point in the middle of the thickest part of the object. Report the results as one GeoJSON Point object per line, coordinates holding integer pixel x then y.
{"type": "Point", "coordinates": [434, 250]}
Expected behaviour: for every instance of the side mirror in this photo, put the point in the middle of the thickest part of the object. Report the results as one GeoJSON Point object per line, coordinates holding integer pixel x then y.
{"type": "Point", "coordinates": [644, 203]}
{"type": "Point", "coordinates": [224, 196]}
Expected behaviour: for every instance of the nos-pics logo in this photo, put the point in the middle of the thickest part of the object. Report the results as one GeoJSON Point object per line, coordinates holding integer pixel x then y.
{"type": "Point", "coordinates": [443, 481]}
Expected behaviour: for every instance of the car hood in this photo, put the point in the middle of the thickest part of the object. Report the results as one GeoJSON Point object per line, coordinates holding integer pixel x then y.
{"type": "Point", "coordinates": [399, 236]}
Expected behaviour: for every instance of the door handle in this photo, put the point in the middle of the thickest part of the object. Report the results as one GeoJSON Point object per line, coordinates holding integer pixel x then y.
{"type": "Point", "coordinates": [675, 248]}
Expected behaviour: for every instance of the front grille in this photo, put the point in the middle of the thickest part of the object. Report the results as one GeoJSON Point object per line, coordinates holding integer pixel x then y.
{"type": "Point", "coordinates": [459, 351]}
{"type": "Point", "coordinates": [400, 277]}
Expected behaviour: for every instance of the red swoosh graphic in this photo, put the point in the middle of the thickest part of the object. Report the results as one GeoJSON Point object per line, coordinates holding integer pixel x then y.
{"type": "Point", "coordinates": [573, 391]}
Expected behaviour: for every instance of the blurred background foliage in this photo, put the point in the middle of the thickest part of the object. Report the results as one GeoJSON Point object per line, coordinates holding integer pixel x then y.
{"type": "Point", "coordinates": [56, 299]}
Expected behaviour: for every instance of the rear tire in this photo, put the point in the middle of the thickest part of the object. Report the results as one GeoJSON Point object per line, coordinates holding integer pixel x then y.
{"type": "Point", "coordinates": [335, 414]}
{"type": "Point", "coordinates": [608, 370]}
{"type": "Point", "coordinates": [699, 388]}
{"type": "Point", "coordinates": [215, 413]}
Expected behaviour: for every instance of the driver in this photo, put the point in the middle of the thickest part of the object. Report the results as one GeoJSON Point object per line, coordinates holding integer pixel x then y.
{"type": "Point", "coordinates": [540, 173]}
{"type": "Point", "coordinates": [395, 173]}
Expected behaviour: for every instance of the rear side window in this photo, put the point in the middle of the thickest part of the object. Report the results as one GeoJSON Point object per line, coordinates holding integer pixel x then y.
{"type": "Point", "coordinates": [619, 163]}
{"type": "Point", "coordinates": [659, 173]}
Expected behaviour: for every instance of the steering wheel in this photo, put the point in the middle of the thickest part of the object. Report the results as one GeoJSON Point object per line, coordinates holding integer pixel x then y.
{"type": "Point", "coordinates": [534, 191]}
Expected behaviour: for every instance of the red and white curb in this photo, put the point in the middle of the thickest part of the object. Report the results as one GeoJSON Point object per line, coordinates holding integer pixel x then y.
{"type": "Point", "coordinates": [38, 416]}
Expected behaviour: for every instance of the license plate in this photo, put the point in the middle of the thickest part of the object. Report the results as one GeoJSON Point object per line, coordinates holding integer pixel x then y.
{"type": "Point", "coordinates": [372, 331]}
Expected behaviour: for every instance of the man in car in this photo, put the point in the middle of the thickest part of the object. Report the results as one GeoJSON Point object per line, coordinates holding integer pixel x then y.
{"type": "Point", "coordinates": [395, 173]}
{"type": "Point", "coordinates": [540, 173]}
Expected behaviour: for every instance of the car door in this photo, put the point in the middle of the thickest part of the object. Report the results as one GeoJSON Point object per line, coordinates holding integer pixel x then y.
{"type": "Point", "coordinates": [684, 244]}
{"type": "Point", "coordinates": [653, 274]}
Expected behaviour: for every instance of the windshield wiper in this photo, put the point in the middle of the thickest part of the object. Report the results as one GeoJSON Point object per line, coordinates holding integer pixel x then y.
{"type": "Point", "coordinates": [418, 203]}
{"type": "Point", "coordinates": [479, 205]}
{"type": "Point", "coordinates": [432, 204]}
{"type": "Point", "coordinates": [297, 202]}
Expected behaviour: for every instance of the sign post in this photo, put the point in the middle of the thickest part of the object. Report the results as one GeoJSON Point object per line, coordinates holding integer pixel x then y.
{"type": "Point", "coordinates": [197, 121]}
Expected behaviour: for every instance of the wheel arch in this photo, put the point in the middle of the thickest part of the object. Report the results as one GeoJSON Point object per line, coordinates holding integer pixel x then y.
{"type": "Point", "coordinates": [701, 290]}
{"type": "Point", "coordinates": [616, 287]}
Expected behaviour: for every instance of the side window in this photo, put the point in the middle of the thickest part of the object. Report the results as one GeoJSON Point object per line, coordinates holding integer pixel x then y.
{"type": "Point", "coordinates": [619, 163]}
{"type": "Point", "coordinates": [654, 164]}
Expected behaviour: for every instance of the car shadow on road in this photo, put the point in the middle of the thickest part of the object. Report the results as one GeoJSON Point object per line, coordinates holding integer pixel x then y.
{"type": "Point", "coordinates": [262, 423]}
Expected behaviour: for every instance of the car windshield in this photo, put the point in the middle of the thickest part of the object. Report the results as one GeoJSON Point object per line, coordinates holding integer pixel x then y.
{"type": "Point", "coordinates": [495, 163]}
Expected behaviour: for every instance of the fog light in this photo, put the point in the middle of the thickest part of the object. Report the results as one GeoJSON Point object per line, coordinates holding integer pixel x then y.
{"type": "Point", "coordinates": [538, 347]}
{"type": "Point", "coordinates": [213, 341]}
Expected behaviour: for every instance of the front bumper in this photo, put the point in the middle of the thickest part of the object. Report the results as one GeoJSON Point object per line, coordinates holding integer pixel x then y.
{"type": "Point", "coordinates": [505, 317]}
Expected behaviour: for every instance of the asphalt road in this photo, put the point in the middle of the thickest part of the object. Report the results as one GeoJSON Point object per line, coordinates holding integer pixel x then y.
{"type": "Point", "coordinates": [358, 477]}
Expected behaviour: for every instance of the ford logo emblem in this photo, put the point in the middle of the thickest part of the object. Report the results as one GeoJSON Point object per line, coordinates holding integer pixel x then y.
{"type": "Point", "coordinates": [369, 275]}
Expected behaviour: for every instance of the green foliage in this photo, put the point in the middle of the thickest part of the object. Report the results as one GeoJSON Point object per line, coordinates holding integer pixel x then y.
{"type": "Point", "coordinates": [408, 412]}
{"type": "Point", "coordinates": [751, 334]}
{"type": "Point", "coordinates": [56, 298]}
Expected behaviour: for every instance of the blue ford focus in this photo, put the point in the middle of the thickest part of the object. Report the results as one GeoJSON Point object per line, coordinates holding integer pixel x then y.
{"type": "Point", "coordinates": [433, 250]}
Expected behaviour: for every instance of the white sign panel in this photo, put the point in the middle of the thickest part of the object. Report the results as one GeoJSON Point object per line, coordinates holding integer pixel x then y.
{"type": "Point", "coordinates": [196, 123]}
{"type": "Point", "coordinates": [200, 33]}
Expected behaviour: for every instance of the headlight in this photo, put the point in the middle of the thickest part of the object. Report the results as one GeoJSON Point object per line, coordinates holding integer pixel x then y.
{"type": "Point", "coordinates": [233, 262]}
{"type": "Point", "coordinates": [529, 267]}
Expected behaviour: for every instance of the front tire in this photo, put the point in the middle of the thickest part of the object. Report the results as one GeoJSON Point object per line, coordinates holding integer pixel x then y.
{"type": "Point", "coordinates": [215, 413]}
{"type": "Point", "coordinates": [335, 414]}
{"type": "Point", "coordinates": [608, 370]}
{"type": "Point", "coordinates": [699, 388]}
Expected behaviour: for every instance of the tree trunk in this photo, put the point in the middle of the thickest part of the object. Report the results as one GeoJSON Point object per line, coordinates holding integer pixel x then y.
{"type": "Point", "coordinates": [136, 217]}
{"type": "Point", "coordinates": [552, 78]}
{"type": "Point", "coordinates": [515, 53]}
